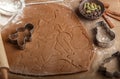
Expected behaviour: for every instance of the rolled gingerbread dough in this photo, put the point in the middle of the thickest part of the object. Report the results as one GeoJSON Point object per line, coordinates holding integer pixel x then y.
{"type": "Point", "coordinates": [60, 44]}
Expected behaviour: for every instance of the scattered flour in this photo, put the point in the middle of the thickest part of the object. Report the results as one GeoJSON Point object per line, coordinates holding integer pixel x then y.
{"type": "Point", "coordinates": [8, 10]}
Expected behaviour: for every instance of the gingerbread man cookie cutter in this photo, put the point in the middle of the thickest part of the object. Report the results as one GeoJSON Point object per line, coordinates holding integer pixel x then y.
{"type": "Point", "coordinates": [103, 70]}
{"type": "Point", "coordinates": [22, 35]}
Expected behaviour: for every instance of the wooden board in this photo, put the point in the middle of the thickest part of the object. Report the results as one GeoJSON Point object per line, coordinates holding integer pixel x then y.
{"type": "Point", "coordinates": [101, 53]}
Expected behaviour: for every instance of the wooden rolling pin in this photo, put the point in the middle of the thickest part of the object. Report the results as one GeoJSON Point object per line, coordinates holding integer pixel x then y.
{"type": "Point", "coordinates": [3, 60]}
{"type": "Point", "coordinates": [4, 72]}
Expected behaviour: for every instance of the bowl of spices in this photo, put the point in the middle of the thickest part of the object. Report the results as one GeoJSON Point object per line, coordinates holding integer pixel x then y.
{"type": "Point", "coordinates": [91, 9]}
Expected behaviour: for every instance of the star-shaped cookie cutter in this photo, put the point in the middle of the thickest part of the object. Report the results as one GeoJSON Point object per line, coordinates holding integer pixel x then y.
{"type": "Point", "coordinates": [22, 35]}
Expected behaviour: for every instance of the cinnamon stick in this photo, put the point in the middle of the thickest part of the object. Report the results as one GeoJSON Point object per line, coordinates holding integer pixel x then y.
{"type": "Point", "coordinates": [112, 16]}
{"type": "Point", "coordinates": [106, 5]}
{"type": "Point", "coordinates": [108, 21]}
{"type": "Point", "coordinates": [113, 12]}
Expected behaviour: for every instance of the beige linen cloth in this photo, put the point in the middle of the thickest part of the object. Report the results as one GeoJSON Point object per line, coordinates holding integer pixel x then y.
{"type": "Point", "coordinates": [3, 57]}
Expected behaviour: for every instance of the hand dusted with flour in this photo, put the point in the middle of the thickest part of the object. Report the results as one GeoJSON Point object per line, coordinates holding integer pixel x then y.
{"type": "Point", "coordinates": [60, 44]}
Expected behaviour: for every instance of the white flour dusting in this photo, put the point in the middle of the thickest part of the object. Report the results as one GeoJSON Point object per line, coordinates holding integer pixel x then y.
{"type": "Point", "coordinates": [8, 9]}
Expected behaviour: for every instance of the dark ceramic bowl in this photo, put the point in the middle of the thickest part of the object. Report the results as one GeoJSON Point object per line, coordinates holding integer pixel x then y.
{"type": "Point", "coordinates": [91, 1]}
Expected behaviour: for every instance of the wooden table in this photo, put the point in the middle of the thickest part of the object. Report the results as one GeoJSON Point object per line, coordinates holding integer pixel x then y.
{"type": "Point", "coordinates": [100, 52]}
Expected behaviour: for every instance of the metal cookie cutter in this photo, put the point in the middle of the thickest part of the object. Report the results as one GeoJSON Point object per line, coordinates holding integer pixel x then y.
{"type": "Point", "coordinates": [104, 71]}
{"type": "Point", "coordinates": [104, 36]}
{"type": "Point", "coordinates": [22, 35]}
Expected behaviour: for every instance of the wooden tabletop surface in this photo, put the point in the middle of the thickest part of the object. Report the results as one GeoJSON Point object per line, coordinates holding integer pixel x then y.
{"type": "Point", "coordinates": [100, 52]}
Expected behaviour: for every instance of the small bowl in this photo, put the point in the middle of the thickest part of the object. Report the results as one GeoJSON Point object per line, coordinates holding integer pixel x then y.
{"type": "Point", "coordinates": [81, 6]}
